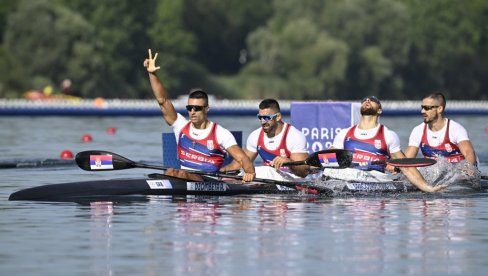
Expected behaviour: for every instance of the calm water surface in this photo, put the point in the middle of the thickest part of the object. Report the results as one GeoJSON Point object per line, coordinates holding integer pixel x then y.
{"type": "Point", "coordinates": [246, 235]}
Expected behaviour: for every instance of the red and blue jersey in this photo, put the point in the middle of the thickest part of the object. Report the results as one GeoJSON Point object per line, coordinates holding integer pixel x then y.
{"type": "Point", "coordinates": [200, 154]}
{"type": "Point", "coordinates": [446, 149]}
{"type": "Point", "coordinates": [267, 154]}
{"type": "Point", "coordinates": [367, 150]}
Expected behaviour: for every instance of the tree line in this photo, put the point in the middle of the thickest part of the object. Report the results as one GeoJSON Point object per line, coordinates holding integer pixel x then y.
{"type": "Point", "coordinates": [287, 49]}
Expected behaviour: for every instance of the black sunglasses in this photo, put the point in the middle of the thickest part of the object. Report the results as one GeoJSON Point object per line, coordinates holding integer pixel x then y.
{"type": "Point", "coordinates": [371, 98]}
{"type": "Point", "coordinates": [267, 118]}
{"type": "Point", "coordinates": [428, 107]}
{"type": "Point", "coordinates": [195, 107]}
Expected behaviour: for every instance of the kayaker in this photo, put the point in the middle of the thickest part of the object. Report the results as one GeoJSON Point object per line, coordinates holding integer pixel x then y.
{"type": "Point", "coordinates": [202, 144]}
{"type": "Point", "coordinates": [276, 142]}
{"type": "Point", "coordinates": [371, 141]}
{"type": "Point", "coordinates": [439, 136]}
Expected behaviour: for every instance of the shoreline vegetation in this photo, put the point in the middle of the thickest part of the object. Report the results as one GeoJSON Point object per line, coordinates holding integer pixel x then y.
{"type": "Point", "coordinates": [251, 49]}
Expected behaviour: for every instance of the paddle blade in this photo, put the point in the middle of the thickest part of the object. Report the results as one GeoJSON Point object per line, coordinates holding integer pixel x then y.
{"type": "Point", "coordinates": [411, 162]}
{"type": "Point", "coordinates": [96, 160]}
{"type": "Point", "coordinates": [332, 158]}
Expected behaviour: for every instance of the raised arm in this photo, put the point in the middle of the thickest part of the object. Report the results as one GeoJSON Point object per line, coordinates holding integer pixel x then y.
{"type": "Point", "coordinates": [160, 93]}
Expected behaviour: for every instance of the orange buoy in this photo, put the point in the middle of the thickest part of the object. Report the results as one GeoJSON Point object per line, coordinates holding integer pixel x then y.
{"type": "Point", "coordinates": [100, 102]}
{"type": "Point", "coordinates": [86, 138]}
{"type": "Point", "coordinates": [111, 130]}
{"type": "Point", "coordinates": [66, 154]}
{"type": "Point", "coordinates": [486, 129]}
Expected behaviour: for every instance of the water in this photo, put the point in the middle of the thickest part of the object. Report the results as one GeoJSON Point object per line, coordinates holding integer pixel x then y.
{"type": "Point", "coordinates": [245, 235]}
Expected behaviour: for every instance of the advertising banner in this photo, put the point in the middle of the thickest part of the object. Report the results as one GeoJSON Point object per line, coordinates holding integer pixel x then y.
{"type": "Point", "coordinates": [321, 121]}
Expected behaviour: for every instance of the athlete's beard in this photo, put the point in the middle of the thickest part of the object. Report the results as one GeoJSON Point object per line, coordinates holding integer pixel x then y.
{"type": "Point", "coordinates": [270, 128]}
{"type": "Point", "coordinates": [430, 119]}
{"type": "Point", "coordinates": [368, 111]}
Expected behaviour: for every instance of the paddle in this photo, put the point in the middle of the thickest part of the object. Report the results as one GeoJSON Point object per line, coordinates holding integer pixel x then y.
{"type": "Point", "coordinates": [339, 158]}
{"type": "Point", "coordinates": [332, 158]}
{"type": "Point", "coordinates": [97, 160]}
{"type": "Point", "coordinates": [406, 162]}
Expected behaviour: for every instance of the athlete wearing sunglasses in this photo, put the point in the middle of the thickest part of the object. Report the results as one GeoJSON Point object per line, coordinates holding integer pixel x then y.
{"type": "Point", "coordinates": [438, 135]}
{"type": "Point", "coordinates": [276, 142]}
{"type": "Point", "coordinates": [371, 141]}
{"type": "Point", "coordinates": [201, 143]}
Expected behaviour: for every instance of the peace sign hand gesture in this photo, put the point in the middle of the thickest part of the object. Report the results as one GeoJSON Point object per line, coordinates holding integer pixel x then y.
{"type": "Point", "coordinates": [150, 63]}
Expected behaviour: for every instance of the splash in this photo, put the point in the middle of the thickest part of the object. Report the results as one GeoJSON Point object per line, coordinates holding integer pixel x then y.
{"type": "Point", "coordinates": [444, 172]}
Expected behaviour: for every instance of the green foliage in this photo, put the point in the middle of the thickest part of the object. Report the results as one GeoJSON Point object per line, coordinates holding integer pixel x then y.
{"type": "Point", "coordinates": [295, 49]}
{"type": "Point", "coordinates": [221, 28]}
{"type": "Point", "coordinates": [121, 41]}
{"type": "Point", "coordinates": [450, 42]}
{"type": "Point", "coordinates": [6, 7]}
{"type": "Point", "coordinates": [173, 45]}
{"type": "Point", "coordinates": [40, 38]}
{"type": "Point", "coordinates": [334, 49]}
{"type": "Point", "coordinates": [10, 76]}
{"type": "Point", "coordinates": [254, 87]}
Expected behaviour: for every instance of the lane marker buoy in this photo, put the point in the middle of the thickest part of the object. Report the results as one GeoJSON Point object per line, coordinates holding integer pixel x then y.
{"type": "Point", "coordinates": [86, 138]}
{"type": "Point", "coordinates": [66, 154]}
{"type": "Point", "coordinates": [111, 130]}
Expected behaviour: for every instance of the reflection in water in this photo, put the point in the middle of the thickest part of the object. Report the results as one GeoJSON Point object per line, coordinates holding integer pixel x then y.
{"type": "Point", "coordinates": [441, 225]}
{"type": "Point", "coordinates": [262, 235]}
{"type": "Point", "coordinates": [382, 232]}
{"type": "Point", "coordinates": [280, 235]}
{"type": "Point", "coordinates": [101, 236]}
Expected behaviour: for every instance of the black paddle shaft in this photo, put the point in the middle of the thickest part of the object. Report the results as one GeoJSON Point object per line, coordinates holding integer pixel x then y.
{"type": "Point", "coordinates": [408, 162]}
{"type": "Point", "coordinates": [343, 157]}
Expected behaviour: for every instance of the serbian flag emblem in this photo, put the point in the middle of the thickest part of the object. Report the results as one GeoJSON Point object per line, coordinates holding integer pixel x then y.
{"type": "Point", "coordinates": [328, 159]}
{"type": "Point", "coordinates": [101, 162]}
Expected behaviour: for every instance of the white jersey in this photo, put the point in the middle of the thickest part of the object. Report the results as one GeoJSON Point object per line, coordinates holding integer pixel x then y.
{"type": "Point", "coordinates": [224, 137]}
{"type": "Point", "coordinates": [295, 142]}
{"type": "Point", "coordinates": [391, 138]}
{"type": "Point", "coordinates": [457, 133]}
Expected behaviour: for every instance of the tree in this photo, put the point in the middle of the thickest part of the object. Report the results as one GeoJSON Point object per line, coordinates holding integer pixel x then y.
{"type": "Point", "coordinates": [333, 49]}
{"type": "Point", "coordinates": [121, 40]}
{"type": "Point", "coordinates": [41, 39]}
{"type": "Point", "coordinates": [377, 35]}
{"type": "Point", "coordinates": [221, 28]}
{"type": "Point", "coordinates": [450, 42]}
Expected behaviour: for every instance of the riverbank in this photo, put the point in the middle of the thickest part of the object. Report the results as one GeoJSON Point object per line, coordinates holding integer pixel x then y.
{"type": "Point", "coordinates": [123, 107]}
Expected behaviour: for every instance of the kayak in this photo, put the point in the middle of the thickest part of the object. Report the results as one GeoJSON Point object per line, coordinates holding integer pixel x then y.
{"type": "Point", "coordinates": [158, 184]}
{"type": "Point", "coordinates": [152, 184]}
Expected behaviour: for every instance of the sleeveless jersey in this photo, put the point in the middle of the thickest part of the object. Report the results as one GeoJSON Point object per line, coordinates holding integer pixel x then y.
{"type": "Point", "coordinates": [447, 149]}
{"type": "Point", "coordinates": [200, 154]}
{"type": "Point", "coordinates": [268, 155]}
{"type": "Point", "coordinates": [368, 150]}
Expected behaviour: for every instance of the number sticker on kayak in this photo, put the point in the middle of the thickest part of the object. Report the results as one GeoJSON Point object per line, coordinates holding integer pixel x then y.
{"type": "Point", "coordinates": [101, 162]}
{"type": "Point", "coordinates": [160, 184]}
